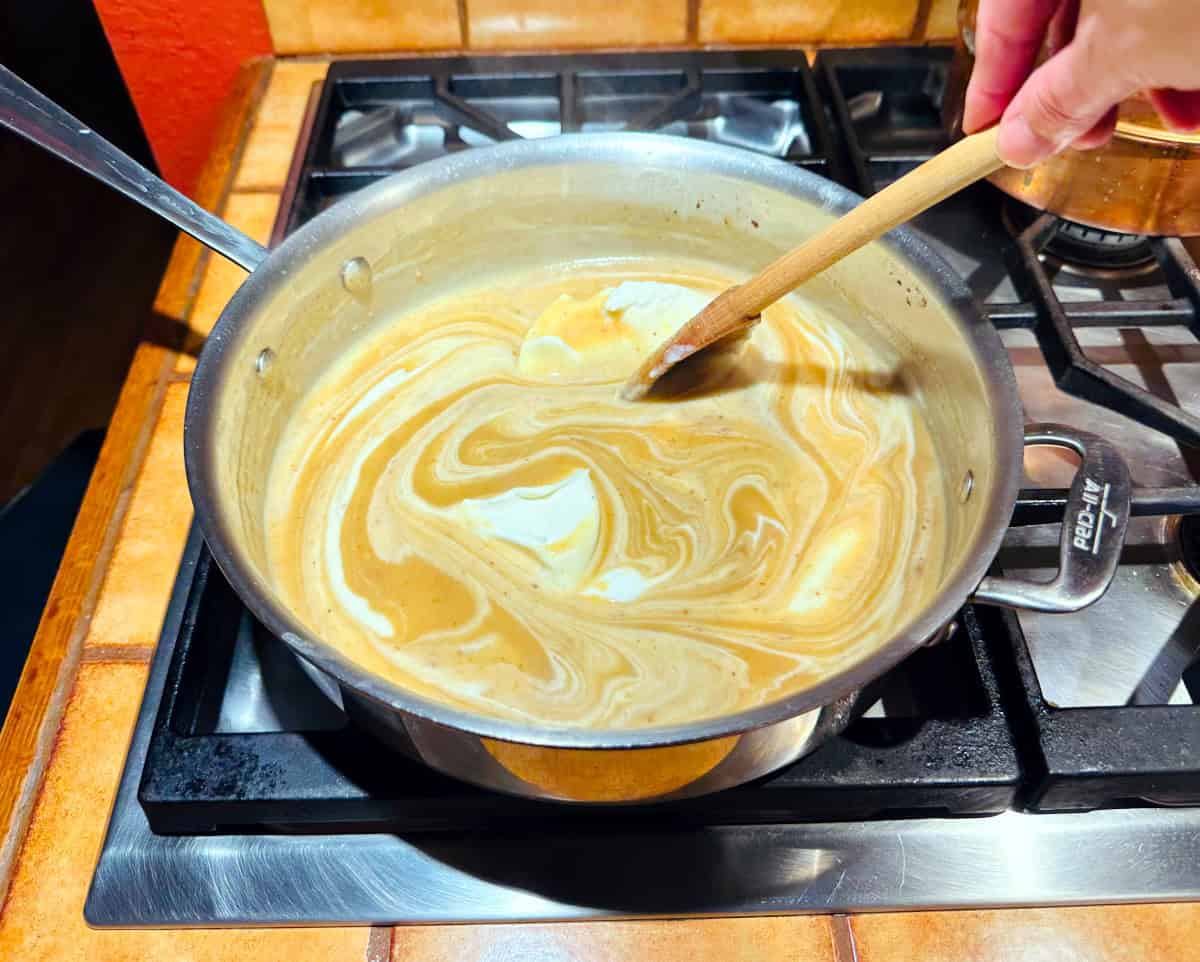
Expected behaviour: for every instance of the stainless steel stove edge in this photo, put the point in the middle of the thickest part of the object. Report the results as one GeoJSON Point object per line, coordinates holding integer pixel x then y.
{"type": "Point", "coordinates": [1013, 859]}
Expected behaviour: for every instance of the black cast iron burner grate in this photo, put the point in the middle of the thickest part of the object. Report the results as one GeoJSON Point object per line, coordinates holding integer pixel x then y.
{"type": "Point", "coordinates": [864, 118]}
{"type": "Point", "coordinates": [1075, 759]}
{"type": "Point", "coordinates": [1080, 759]}
{"type": "Point", "coordinates": [879, 150]}
{"type": "Point", "coordinates": [941, 750]}
{"type": "Point", "coordinates": [374, 118]}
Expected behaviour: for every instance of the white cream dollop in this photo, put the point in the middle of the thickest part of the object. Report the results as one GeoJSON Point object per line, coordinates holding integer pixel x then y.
{"type": "Point", "coordinates": [620, 584]}
{"type": "Point", "coordinates": [531, 547]}
{"type": "Point", "coordinates": [558, 523]}
{"type": "Point", "coordinates": [608, 335]}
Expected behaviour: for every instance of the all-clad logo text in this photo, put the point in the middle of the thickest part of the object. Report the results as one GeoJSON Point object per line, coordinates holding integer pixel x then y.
{"type": "Point", "coordinates": [1089, 520]}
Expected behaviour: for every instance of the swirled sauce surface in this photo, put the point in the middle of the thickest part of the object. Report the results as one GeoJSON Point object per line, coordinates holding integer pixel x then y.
{"type": "Point", "coordinates": [464, 506]}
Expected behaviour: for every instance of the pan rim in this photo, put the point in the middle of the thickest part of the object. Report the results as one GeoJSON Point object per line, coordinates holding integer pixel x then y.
{"type": "Point", "coordinates": [214, 366]}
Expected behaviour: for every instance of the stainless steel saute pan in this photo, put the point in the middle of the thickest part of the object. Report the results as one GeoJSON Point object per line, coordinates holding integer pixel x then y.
{"type": "Point", "coordinates": [526, 203]}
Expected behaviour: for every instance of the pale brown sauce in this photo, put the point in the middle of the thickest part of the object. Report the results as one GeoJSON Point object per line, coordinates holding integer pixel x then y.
{"type": "Point", "coordinates": [777, 528]}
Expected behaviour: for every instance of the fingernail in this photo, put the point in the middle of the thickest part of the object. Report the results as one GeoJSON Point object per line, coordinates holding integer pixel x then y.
{"type": "Point", "coordinates": [1021, 146]}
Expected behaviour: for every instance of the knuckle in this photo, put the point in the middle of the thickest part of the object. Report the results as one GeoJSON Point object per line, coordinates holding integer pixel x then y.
{"type": "Point", "coordinates": [1121, 54]}
{"type": "Point", "coordinates": [1002, 42]}
{"type": "Point", "coordinates": [1051, 116]}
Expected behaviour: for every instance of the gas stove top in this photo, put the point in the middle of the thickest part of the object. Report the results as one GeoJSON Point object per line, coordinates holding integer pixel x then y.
{"type": "Point", "coordinates": [1029, 759]}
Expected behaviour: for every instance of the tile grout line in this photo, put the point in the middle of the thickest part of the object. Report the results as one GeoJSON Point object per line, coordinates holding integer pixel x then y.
{"type": "Point", "coordinates": [379, 944]}
{"type": "Point", "coordinates": [116, 654]}
{"type": "Point", "coordinates": [257, 95]}
{"type": "Point", "coordinates": [255, 189]}
{"type": "Point", "coordinates": [693, 22]}
{"type": "Point", "coordinates": [920, 25]}
{"type": "Point", "coordinates": [841, 937]}
{"type": "Point", "coordinates": [68, 669]}
{"type": "Point", "coordinates": [464, 24]}
{"type": "Point", "coordinates": [46, 737]}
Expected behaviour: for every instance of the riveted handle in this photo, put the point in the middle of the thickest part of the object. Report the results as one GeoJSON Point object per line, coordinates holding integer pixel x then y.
{"type": "Point", "coordinates": [1093, 531]}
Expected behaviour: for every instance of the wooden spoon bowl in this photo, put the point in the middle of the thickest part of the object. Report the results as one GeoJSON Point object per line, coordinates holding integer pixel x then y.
{"type": "Point", "coordinates": [727, 321]}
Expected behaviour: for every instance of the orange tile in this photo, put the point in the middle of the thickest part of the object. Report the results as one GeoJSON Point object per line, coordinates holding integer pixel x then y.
{"type": "Point", "coordinates": [806, 21]}
{"type": "Point", "coordinates": [943, 20]}
{"type": "Point", "coordinates": [43, 916]}
{"type": "Point", "coordinates": [276, 126]}
{"type": "Point", "coordinates": [693, 940]}
{"type": "Point", "coordinates": [1132, 933]}
{"type": "Point", "coordinates": [218, 282]}
{"type": "Point", "coordinates": [512, 24]}
{"type": "Point", "coordinates": [348, 26]}
{"type": "Point", "coordinates": [133, 598]}
{"type": "Point", "coordinates": [253, 213]}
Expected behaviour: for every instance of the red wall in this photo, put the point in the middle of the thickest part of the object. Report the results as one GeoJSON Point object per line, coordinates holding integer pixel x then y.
{"type": "Point", "coordinates": [179, 60]}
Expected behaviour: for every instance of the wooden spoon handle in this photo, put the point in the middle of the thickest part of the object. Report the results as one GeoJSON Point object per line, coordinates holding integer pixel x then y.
{"type": "Point", "coordinates": [736, 310]}
{"type": "Point", "coordinates": [967, 161]}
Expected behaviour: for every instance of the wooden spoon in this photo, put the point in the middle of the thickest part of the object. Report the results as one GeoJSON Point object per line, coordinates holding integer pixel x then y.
{"type": "Point", "coordinates": [730, 317]}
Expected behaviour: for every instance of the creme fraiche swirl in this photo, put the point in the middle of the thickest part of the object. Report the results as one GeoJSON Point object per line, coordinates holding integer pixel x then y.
{"type": "Point", "coordinates": [464, 506]}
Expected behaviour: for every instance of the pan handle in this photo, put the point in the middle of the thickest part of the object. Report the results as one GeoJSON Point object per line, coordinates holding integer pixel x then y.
{"type": "Point", "coordinates": [1093, 530]}
{"type": "Point", "coordinates": [39, 119]}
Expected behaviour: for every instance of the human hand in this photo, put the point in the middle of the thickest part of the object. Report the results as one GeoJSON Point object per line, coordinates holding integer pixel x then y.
{"type": "Point", "coordinates": [1101, 52]}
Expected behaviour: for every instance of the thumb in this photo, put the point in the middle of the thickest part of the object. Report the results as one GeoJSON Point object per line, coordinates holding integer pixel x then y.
{"type": "Point", "coordinates": [1061, 101]}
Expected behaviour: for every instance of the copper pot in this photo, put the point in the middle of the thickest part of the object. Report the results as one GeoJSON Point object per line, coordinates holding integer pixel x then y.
{"type": "Point", "coordinates": [1146, 181]}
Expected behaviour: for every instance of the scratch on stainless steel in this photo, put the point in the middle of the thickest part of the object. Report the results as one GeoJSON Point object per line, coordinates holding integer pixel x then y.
{"type": "Point", "coordinates": [1078, 663]}
{"type": "Point", "coordinates": [1012, 859]}
{"type": "Point", "coordinates": [260, 666]}
{"type": "Point", "coordinates": [1130, 646]}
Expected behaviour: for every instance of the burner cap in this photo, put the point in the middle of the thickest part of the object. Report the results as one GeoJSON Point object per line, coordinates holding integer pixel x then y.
{"type": "Point", "coordinates": [1080, 246]}
{"type": "Point", "coordinates": [1093, 247]}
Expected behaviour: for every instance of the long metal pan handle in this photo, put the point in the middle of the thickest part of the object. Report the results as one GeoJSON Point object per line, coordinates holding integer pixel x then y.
{"type": "Point", "coordinates": [41, 120]}
{"type": "Point", "coordinates": [1093, 530]}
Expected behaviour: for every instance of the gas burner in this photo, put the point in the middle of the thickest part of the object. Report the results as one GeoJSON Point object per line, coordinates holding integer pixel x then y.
{"type": "Point", "coordinates": [1083, 250]}
{"type": "Point", "coordinates": [1090, 249]}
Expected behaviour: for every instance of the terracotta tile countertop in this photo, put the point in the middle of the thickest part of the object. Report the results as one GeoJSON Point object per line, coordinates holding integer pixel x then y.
{"type": "Point", "coordinates": [64, 742]}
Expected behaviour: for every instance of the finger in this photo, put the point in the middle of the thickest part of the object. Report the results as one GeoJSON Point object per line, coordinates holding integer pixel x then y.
{"type": "Point", "coordinates": [1008, 35]}
{"type": "Point", "coordinates": [1179, 109]}
{"type": "Point", "coordinates": [1063, 99]}
{"type": "Point", "coordinates": [1100, 134]}
{"type": "Point", "coordinates": [1062, 26]}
